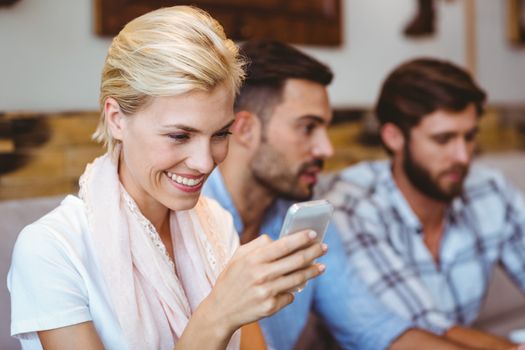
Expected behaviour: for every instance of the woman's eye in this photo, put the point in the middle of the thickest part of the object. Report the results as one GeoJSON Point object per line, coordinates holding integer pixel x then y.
{"type": "Point", "coordinates": [222, 134]}
{"type": "Point", "coordinates": [179, 137]}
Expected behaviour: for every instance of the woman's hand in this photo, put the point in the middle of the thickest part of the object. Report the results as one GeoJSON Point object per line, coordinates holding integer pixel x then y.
{"type": "Point", "coordinates": [258, 279]}
{"type": "Point", "coordinates": [256, 283]}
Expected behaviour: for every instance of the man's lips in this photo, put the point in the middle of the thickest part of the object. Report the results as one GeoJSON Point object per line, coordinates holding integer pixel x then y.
{"type": "Point", "coordinates": [310, 175]}
{"type": "Point", "coordinates": [455, 175]}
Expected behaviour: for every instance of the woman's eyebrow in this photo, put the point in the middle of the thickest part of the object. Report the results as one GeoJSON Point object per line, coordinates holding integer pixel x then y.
{"type": "Point", "coordinates": [192, 129]}
{"type": "Point", "coordinates": [228, 125]}
{"type": "Point", "coordinates": [181, 127]}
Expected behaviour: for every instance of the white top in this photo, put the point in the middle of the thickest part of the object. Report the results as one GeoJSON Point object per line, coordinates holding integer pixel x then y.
{"type": "Point", "coordinates": [55, 281]}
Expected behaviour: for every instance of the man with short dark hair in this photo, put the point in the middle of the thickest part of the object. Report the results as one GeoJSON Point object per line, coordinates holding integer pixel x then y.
{"type": "Point", "coordinates": [277, 150]}
{"type": "Point", "coordinates": [423, 232]}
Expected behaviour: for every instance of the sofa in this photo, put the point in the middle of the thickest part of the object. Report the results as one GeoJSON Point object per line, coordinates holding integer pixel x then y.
{"type": "Point", "coordinates": [14, 215]}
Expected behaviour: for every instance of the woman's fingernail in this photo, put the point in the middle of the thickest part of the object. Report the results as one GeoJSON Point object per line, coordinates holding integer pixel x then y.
{"type": "Point", "coordinates": [324, 247]}
{"type": "Point", "coordinates": [312, 234]}
{"type": "Point", "coordinates": [321, 267]}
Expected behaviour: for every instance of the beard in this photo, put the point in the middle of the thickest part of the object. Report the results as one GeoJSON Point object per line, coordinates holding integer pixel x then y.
{"type": "Point", "coordinates": [270, 169]}
{"type": "Point", "coordinates": [421, 178]}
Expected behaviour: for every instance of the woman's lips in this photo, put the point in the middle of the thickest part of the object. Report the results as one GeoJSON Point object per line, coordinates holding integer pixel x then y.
{"type": "Point", "coordinates": [186, 183]}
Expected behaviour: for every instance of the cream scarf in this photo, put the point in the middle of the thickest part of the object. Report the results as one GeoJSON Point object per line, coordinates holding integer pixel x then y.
{"type": "Point", "coordinates": [153, 304]}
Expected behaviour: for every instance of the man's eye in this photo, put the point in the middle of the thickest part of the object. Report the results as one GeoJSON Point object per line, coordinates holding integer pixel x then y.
{"type": "Point", "coordinates": [471, 136]}
{"type": "Point", "coordinates": [442, 139]}
{"type": "Point", "coordinates": [179, 137]}
{"type": "Point", "coordinates": [309, 128]}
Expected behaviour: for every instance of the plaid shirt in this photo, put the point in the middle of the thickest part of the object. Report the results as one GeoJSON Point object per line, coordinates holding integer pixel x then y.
{"type": "Point", "coordinates": [384, 241]}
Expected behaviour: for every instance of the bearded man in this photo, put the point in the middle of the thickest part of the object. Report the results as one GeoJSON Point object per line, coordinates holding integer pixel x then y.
{"type": "Point", "coordinates": [425, 229]}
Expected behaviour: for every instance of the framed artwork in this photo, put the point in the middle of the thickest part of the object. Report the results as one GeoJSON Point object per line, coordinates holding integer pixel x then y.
{"type": "Point", "coordinates": [7, 2]}
{"type": "Point", "coordinates": [516, 21]}
{"type": "Point", "coordinates": [310, 22]}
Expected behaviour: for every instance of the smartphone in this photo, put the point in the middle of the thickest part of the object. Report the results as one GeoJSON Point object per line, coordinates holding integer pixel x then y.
{"type": "Point", "coordinates": [313, 215]}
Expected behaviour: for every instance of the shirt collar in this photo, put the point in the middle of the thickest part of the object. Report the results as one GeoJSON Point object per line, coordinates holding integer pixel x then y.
{"type": "Point", "coordinates": [273, 218]}
{"type": "Point", "coordinates": [397, 200]}
{"type": "Point", "coordinates": [401, 205]}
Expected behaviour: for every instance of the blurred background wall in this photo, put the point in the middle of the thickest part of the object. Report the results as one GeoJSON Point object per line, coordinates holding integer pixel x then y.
{"type": "Point", "coordinates": [50, 56]}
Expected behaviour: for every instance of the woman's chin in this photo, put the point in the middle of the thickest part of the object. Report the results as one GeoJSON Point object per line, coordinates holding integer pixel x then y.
{"type": "Point", "coordinates": [182, 203]}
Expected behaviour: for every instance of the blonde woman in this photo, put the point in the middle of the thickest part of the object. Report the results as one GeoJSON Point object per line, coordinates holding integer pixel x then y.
{"type": "Point", "coordinates": [139, 260]}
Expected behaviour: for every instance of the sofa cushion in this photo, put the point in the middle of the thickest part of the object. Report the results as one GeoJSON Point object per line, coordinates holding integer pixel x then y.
{"type": "Point", "coordinates": [15, 215]}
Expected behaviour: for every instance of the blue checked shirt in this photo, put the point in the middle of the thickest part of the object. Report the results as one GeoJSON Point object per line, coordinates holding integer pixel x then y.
{"type": "Point", "coordinates": [353, 315]}
{"type": "Point", "coordinates": [384, 241]}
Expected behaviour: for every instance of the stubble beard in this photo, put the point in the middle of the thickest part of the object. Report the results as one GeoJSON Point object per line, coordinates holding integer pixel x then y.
{"type": "Point", "coordinates": [270, 170]}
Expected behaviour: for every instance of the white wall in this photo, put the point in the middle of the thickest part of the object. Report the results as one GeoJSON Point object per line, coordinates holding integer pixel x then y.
{"type": "Point", "coordinates": [50, 58]}
{"type": "Point", "coordinates": [374, 44]}
{"type": "Point", "coordinates": [501, 66]}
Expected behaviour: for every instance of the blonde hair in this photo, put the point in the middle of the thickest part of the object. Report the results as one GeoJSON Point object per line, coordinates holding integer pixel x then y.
{"type": "Point", "coordinates": [166, 52]}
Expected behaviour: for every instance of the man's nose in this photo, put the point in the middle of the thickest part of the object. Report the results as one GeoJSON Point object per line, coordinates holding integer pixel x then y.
{"type": "Point", "coordinates": [322, 147]}
{"type": "Point", "coordinates": [462, 151]}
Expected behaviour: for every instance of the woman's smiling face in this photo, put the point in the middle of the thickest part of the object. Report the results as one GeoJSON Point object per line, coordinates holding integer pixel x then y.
{"type": "Point", "coordinates": [171, 145]}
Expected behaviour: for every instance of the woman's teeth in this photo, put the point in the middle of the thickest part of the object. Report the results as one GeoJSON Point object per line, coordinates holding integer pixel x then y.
{"type": "Point", "coordinates": [184, 180]}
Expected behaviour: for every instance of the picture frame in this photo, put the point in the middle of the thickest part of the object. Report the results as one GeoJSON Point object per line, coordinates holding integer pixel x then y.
{"type": "Point", "coordinates": [7, 2]}
{"type": "Point", "coordinates": [309, 22]}
{"type": "Point", "coordinates": [516, 21]}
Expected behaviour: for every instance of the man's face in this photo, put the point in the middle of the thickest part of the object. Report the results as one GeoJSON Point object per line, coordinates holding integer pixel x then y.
{"type": "Point", "coordinates": [437, 156]}
{"type": "Point", "coordinates": [294, 141]}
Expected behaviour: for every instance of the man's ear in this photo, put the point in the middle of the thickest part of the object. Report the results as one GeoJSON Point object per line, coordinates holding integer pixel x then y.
{"type": "Point", "coordinates": [114, 118]}
{"type": "Point", "coordinates": [246, 129]}
{"type": "Point", "coordinates": [392, 137]}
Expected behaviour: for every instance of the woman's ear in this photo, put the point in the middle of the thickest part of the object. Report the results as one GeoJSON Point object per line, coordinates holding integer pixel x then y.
{"type": "Point", "coordinates": [114, 118]}
{"type": "Point", "coordinates": [392, 137]}
{"type": "Point", "coordinates": [246, 129]}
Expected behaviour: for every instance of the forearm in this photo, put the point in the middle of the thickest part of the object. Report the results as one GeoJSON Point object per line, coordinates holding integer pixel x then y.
{"type": "Point", "coordinates": [477, 339]}
{"type": "Point", "coordinates": [205, 330]}
{"type": "Point", "coordinates": [416, 339]}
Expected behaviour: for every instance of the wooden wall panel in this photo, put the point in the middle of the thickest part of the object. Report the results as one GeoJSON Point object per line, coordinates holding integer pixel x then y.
{"type": "Point", "coordinates": [48, 152]}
